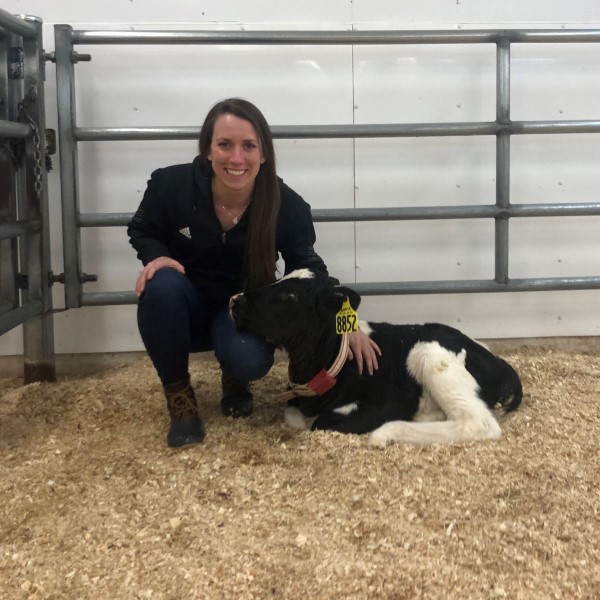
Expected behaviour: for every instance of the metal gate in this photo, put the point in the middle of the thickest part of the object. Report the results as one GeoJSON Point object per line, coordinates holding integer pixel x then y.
{"type": "Point", "coordinates": [502, 128]}
{"type": "Point", "coordinates": [25, 273]}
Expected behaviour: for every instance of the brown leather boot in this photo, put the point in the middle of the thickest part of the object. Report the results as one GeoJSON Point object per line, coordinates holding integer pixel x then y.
{"type": "Point", "coordinates": [237, 400]}
{"type": "Point", "coordinates": [186, 426]}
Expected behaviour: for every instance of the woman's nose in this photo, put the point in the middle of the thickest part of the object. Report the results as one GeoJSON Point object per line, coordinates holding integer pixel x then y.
{"type": "Point", "coordinates": [236, 154]}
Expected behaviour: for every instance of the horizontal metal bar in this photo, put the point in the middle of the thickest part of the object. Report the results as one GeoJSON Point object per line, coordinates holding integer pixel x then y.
{"type": "Point", "coordinates": [100, 134]}
{"type": "Point", "coordinates": [19, 315]}
{"type": "Point", "coordinates": [408, 213]}
{"type": "Point", "coordinates": [96, 134]}
{"type": "Point", "coordinates": [476, 211]}
{"type": "Point", "coordinates": [294, 132]}
{"type": "Point", "coordinates": [395, 288]}
{"type": "Point", "coordinates": [474, 36]}
{"type": "Point", "coordinates": [13, 129]}
{"type": "Point", "coordinates": [527, 127]}
{"type": "Point", "coordinates": [103, 219]}
{"type": "Point", "coordinates": [572, 209]}
{"type": "Point", "coordinates": [474, 286]}
{"type": "Point", "coordinates": [17, 25]}
{"type": "Point", "coordinates": [553, 36]}
{"type": "Point", "coordinates": [285, 37]}
{"type": "Point", "coordinates": [108, 298]}
{"type": "Point", "coordinates": [15, 229]}
{"type": "Point", "coordinates": [337, 214]}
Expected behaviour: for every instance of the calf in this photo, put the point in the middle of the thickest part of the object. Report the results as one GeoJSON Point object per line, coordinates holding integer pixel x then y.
{"type": "Point", "coordinates": [434, 384]}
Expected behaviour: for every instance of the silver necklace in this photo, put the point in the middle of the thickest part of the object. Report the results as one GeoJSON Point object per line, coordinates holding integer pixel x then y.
{"type": "Point", "coordinates": [236, 219]}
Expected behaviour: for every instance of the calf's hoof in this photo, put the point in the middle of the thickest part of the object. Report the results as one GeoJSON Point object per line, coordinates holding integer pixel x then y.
{"type": "Point", "coordinates": [378, 438]}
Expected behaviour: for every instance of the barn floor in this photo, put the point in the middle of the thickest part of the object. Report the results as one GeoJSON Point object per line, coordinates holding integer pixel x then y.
{"type": "Point", "coordinates": [95, 506]}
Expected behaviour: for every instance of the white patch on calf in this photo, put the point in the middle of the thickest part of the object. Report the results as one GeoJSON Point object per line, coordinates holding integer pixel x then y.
{"type": "Point", "coordinates": [346, 409]}
{"type": "Point", "coordinates": [443, 375]}
{"type": "Point", "coordinates": [428, 409]}
{"type": "Point", "coordinates": [296, 420]}
{"type": "Point", "coordinates": [297, 274]}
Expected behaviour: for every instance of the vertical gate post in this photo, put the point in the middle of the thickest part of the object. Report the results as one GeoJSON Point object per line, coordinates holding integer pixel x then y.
{"type": "Point", "coordinates": [38, 332]}
{"type": "Point", "coordinates": [502, 158]}
{"type": "Point", "coordinates": [69, 182]}
{"type": "Point", "coordinates": [9, 298]}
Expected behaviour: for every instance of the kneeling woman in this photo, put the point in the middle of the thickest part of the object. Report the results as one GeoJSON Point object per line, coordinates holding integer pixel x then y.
{"type": "Point", "coordinates": [205, 231]}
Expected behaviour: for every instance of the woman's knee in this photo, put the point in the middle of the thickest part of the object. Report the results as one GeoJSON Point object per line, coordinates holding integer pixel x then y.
{"type": "Point", "coordinates": [166, 287]}
{"type": "Point", "coordinates": [247, 359]}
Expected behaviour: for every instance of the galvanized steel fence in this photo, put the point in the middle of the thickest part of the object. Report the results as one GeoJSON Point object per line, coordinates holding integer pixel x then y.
{"type": "Point", "coordinates": [502, 128]}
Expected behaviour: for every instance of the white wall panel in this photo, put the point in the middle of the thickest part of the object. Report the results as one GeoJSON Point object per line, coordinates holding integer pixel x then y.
{"type": "Point", "coordinates": [475, 12]}
{"type": "Point", "coordinates": [176, 85]}
{"type": "Point", "coordinates": [555, 168]}
{"type": "Point", "coordinates": [425, 84]}
{"type": "Point", "coordinates": [425, 171]}
{"type": "Point", "coordinates": [551, 247]}
{"type": "Point", "coordinates": [502, 315]}
{"type": "Point", "coordinates": [425, 250]}
{"type": "Point", "coordinates": [184, 11]}
{"type": "Point", "coordinates": [555, 81]}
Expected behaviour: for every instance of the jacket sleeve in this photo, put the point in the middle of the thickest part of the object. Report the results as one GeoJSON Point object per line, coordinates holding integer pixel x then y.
{"type": "Point", "coordinates": [147, 229]}
{"type": "Point", "coordinates": [297, 235]}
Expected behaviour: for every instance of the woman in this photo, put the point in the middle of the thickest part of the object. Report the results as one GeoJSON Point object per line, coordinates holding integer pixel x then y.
{"type": "Point", "coordinates": [205, 231]}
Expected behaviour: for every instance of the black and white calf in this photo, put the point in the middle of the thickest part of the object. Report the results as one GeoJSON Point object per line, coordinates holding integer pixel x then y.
{"type": "Point", "coordinates": [434, 384]}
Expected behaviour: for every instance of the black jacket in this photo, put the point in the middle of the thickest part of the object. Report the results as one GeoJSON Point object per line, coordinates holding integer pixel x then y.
{"type": "Point", "coordinates": [176, 218]}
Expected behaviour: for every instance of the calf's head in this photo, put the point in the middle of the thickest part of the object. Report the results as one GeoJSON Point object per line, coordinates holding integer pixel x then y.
{"type": "Point", "coordinates": [300, 305]}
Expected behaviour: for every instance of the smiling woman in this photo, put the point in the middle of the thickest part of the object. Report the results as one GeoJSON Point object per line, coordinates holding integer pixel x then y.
{"type": "Point", "coordinates": [205, 231]}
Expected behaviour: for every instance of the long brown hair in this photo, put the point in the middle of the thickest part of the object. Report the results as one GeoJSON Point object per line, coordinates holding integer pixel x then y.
{"type": "Point", "coordinates": [261, 252]}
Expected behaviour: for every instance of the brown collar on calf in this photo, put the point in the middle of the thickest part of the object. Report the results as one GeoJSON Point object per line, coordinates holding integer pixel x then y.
{"type": "Point", "coordinates": [324, 380]}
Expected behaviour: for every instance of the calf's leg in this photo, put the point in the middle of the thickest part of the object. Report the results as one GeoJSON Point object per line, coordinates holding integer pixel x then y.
{"type": "Point", "coordinates": [443, 375]}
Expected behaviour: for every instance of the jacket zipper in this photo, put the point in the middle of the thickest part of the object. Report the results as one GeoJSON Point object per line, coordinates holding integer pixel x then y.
{"type": "Point", "coordinates": [224, 238]}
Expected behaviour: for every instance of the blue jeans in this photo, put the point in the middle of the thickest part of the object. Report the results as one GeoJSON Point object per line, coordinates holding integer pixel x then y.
{"type": "Point", "coordinates": [175, 319]}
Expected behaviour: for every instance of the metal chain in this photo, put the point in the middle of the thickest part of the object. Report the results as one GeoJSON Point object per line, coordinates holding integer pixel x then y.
{"type": "Point", "coordinates": [37, 157]}
{"type": "Point", "coordinates": [37, 152]}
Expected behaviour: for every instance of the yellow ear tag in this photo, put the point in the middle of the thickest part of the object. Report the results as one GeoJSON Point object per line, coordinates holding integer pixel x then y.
{"type": "Point", "coordinates": [346, 321]}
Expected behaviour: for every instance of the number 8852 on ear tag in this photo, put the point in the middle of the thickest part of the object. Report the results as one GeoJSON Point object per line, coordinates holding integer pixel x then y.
{"type": "Point", "coordinates": [346, 320]}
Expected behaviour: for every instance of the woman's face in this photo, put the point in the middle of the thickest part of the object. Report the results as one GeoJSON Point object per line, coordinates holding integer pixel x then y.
{"type": "Point", "coordinates": [235, 154]}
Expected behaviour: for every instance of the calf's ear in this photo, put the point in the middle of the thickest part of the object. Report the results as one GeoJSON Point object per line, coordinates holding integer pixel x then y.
{"type": "Point", "coordinates": [330, 300]}
{"type": "Point", "coordinates": [351, 294]}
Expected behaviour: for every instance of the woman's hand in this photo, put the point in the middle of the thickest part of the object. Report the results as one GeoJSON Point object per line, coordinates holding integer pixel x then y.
{"type": "Point", "coordinates": [365, 350]}
{"type": "Point", "coordinates": [162, 262]}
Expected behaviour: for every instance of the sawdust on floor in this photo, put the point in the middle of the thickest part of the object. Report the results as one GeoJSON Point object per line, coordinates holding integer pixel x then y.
{"type": "Point", "coordinates": [94, 505]}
